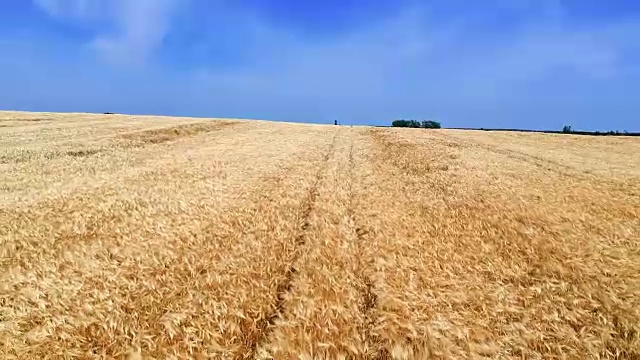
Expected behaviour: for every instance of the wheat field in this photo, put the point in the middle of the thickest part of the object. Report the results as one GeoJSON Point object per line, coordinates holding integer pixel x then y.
{"type": "Point", "coordinates": [166, 238]}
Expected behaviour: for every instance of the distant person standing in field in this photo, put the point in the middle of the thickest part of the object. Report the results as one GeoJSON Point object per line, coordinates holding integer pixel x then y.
{"type": "Point", "coordinates": [335, 122]}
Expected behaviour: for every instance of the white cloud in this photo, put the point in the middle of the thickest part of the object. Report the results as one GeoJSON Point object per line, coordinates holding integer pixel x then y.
{"type": "Point", "coordinates": [138, 26]}
{"type": "Point", "coordinates": [65, 8]}
{"type": "Point", "coordinates": [544, 71]}
{"type": "Point", "coordinates": [142, 25]}
{"type": "Point", "coordinates": [410, 49]}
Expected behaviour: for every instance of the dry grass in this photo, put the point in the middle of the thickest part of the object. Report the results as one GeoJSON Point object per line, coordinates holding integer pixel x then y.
{"type": "Point", "coordinates": [150, 237]}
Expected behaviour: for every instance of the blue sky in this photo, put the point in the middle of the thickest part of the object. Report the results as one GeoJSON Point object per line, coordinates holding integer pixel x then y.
{"type": "Point", "coordinates": [536, 64]}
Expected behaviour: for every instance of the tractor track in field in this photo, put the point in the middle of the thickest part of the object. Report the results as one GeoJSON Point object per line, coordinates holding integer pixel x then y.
{"type": "Point", "coordinates": [369, 299]}
{"type": "Point", "coordinates": [306, 209]}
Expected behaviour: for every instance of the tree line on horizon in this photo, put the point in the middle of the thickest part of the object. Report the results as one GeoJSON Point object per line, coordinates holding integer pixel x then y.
{"type": "Point", "coordinates": [567, 129]}
{"type": "Point", "coordinates": [425, 124]}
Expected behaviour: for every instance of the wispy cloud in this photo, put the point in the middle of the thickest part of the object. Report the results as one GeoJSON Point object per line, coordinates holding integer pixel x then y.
{"type": "Point", "coordinates": [413, 66]}
{"type": "Point", "coordinates": [142, 25]}
{"type": "Point", "coordinates": [66, 8]}
{"type": "Point", "coordinates": [138, 27]}
{"type": "Point", "coordinates": [503, 63]}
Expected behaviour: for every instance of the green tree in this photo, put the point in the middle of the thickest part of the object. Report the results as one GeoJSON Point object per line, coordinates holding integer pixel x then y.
{"type": "Point", "coordinates": [399, 123]}
{"type": "Point", "coordinates": [414, 124]}
{"type": "Point", "coordinates": [406, 123]}
{"type": "Point", "coordinates": [430, 124]}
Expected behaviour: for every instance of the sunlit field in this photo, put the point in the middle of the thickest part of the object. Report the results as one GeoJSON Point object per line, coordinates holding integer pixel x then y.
{"type": "Point", "coordinates": [155, 237]}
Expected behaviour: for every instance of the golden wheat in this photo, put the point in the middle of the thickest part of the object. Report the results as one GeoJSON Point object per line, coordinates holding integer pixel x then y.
{"type": "Point", "coordinates": [156, 237]}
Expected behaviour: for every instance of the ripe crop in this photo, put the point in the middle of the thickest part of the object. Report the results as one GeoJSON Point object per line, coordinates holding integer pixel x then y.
{"type": "Point", "coordinates": [156, 237]}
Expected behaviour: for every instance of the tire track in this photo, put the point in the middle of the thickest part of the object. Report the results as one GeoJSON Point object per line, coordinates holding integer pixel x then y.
{"type": "Point", "coordinates": [301, 239]}
{"type": "Point", "coordinates": [395, 326]}
{"type": "Point", "coordinates": [369, 299]}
